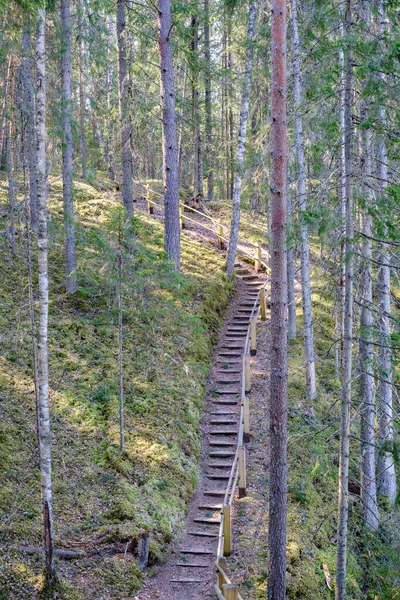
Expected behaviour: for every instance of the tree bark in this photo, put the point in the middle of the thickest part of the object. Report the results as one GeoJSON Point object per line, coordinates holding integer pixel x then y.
{"type": "Point", "coordinates": [244, 115]}
{"type": "Point", "coordinates": [198, 158]}
{"type": "Point", "coordinates": [208, 104]}
{"type": "Point", "coordinates": [369, 507]}
{"type": "Point", "coordinates": [308, 325]}
{"type": "Point", "coordinates": [9, 155]}
{"type": "Point", "coordinates": [44, 413]}
{"type": "Point", "coordinates": [342, 101]}
{"type": "Point", "coordinates": [124, 108]}
{"type": "Point", "coordinates": [170, 148]}
{"type": "Point", "coordinates": [82, 98]}
{"type": "Point", "coordinates": [69, 219]}
{"type": "Point", "coordinates": [290, 273]}
{"type": "Point", "coordinates": [386, 471]}
{"type": "Point", "coordinates": [343, 499]}
{"type": "Point", "coordinates": [29, 119]}
{"type": "Point", "coordinates": [276, 586]}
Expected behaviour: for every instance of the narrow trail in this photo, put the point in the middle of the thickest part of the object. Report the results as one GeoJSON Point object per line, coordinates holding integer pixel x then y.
{"type": "Point", "coordinates": [189, 571]}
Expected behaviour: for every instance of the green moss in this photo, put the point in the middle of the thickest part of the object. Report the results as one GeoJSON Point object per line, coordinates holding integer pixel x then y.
{"type": "Point", "coordinates": [170, 323]}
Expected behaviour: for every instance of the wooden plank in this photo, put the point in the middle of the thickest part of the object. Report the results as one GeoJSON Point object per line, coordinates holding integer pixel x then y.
{"type": "Point", "coordinates": [196, 551]}
{"type": "Point", "coordinates": [203, 534]}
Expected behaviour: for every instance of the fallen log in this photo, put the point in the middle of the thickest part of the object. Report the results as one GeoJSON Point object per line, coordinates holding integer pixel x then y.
{"type": "Point", "coordinates": [66, 554]}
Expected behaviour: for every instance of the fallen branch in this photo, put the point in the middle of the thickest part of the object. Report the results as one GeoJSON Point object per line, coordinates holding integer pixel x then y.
{"type": "Point", "coordinates": [67, 554]}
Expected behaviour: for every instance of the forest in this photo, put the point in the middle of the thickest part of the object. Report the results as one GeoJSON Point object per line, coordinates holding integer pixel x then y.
{"type": "Point", "coordinates": [199, 299]}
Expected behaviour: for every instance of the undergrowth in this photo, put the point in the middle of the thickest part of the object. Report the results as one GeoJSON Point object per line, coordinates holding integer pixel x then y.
{"type": "Point", "coordinates": [170, 322]}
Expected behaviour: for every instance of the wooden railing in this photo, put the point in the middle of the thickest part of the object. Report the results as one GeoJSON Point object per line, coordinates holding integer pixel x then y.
{"type": "Point", "coordinates": [225, 589]}
{"type": "Point", "coordinates": [260, 257]}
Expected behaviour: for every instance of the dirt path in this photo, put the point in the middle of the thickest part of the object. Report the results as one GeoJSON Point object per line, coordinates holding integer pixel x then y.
{"type": "Point", "coordinates": [189, 570]}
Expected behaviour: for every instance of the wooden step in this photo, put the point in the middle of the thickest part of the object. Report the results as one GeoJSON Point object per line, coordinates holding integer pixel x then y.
{"type": "Point", "coordinates": [188, 580]}
{"type": "Point", "coordinates": [224, 422]}
{"type": "Point", "coordinates": [196, 550]}
{"type": "Point", "coordinates": [225, 382]}
{"type": "Point", "coordinates": [213, 507]}
{"type": "Point", "coordinates": [224, 432]}
{"type": "Point", "coordinates": [193, 565]}
{"type": "Point", "coordinates": [211, 521]}
{"type": "Point", "coordinates": [220, 465]}
{"type": "Point", "coordinates": [203, 534]}
{"type": "Point", "coordinates": [229, 361]}
{"type": "Point", "coordinates": [221, 454]}
{"type": "Point", "coordinates": [218, 477]}
{"type": "Point", "coordinates": [221, 443]}
{"type": "Point", "coordinates": [214, 492]}
{"type": "Point", "coordinates": [228, 371]}
{"type": "Point", "coordinates": [225, 402]}
{"type": "Point", "coordinates": [224, 413]}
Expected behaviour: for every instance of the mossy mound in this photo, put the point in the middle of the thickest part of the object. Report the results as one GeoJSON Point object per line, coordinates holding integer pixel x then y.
{"type": "Point", "coordinates": [170, 321]}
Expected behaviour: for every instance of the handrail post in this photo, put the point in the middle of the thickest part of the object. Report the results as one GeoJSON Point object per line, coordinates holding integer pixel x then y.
{"type": "Point", "coordinates": [253, 337]}
{"type": "Point", "coordinates": [257, 262]}
{"type": "Point", "coordinates": [242, 471]}
{"type": "Point", "coordinates": [247, 374]}
{"type": "Point", "coordinates": [230, 591]}
{"type": "Point", "coordinates": [223, 564]}
{"type": "Point", "coordinates": [150, 208]}
{"type": "Point", "coordinates": [182, 215]}
{"type": "Point", "coordinates": [263, 305]}
{"type": "Point", "coordinates": [220, 237]}
{"type": "Point", "coordinates": [246, 419]}
{"type": "Point", "coordinates": [227, 529]}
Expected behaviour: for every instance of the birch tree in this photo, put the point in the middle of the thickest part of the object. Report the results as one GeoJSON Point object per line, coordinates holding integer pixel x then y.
{"type": "Point", "coordinates": [276, 586]}
{"type": "Point", "coordinates": [69, 219]}
{"type": "Point", "coordinates": [343, 493]}
{"type": "Point", "coordinates": [308, 326]}
{"type": "Point", "coordinates": [244, 116]}
{"type": "Point", "coordinates": [44, 413]}
{"type": "Point", "coordinates": [125, 93]}
{"type": "Point", "coordinates": [170, 147]}
{"type": "Point", "coordinates": [386, 472]}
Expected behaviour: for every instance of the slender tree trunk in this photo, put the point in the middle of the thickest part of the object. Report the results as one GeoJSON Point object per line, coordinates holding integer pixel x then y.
{"type": "Point", "coordinates": [124, 108]}
{"type": "Point", "coordinates": [120, 349]}
{"type": "Point", "coordinates": [82, 99]}
{"type": "Point", "coordinates": [290, 273]}
{"type": "Point", "coordinates": [44, 413]}
{"type": "Point", "coordinates": [109, 127]}
{"type": "Point", "coordinates": [208, 104]}
{"type": "Point", "coordinates": [69, 219]}
{"type": "Point", "coordinates": [386, 472]}
{"type": "Point", "coordinates": [369, 505]}
{"type": "Point", "coordinates": [342, 101]}
{"type": "Point", "coordinates": [182, 129]}
{"type": "Point", "coordinates": [9, 160]}
{"type": "Point", "coordinates": [198, 158]}
{"type": "Point", "coordinates": [276, 586]}
{"type": "Point", "coordinates": [244, 115]}
{"type": "Point", "coordinates": [302, 204]}
{"type": "Point", "coordinates": [343, 504]}
{"type": "Point", "coordinates": [29, 118]}
{"type": "Point", "coordinates": [31, 296]}
{"type": "Point", "coordinates": [170, 149]}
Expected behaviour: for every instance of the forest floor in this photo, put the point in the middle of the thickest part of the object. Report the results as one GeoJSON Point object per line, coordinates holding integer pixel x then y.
{"type": "Point", "coordinates": [103, 498]}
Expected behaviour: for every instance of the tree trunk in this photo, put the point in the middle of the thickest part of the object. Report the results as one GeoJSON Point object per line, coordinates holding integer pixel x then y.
{"type": "Point", "coordinates": [69, 220]}
{"type": "Point", "coordinates": [290, 273]}
{"type": "Point", "coordinates": [276, 587]}
{"type": "Point", "coordinates": [369, 507]}
{"type": "Point", "coordinates": [124, 110]}
{"type": "Point", "coordinates": [244, 115]}
{"type": "Point", "coordinates": [343, 504]}
{"type": "Point", "coordinates": [302, 204]}
{"type": "Point", "coordinates": [29, 120]}
{"type": "Point", "coordinates": [198, 159]}
{"type": "Point", "coordinates": [386, 472]}
{"type": "Point", "coordinates": [44, 413]}
{"type": "Point", "coordinates": [208, 103]}
{"type": "Point", "coordinates": [9, 156]}
{"type": "Point", "coordinates": [109, 127]}
{"type": "Point", "coordinates": [342, 101]}
{"type": "Point", "coordinates": [82, 99]}
{"type": "Point", "coordinates": [170, 149]}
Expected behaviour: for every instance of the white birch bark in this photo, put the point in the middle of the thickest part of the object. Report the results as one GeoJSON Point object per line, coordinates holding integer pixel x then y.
{"type": "Point", "coordinates": [44, 413]}
{"type": "Point", "coordinates": [386, 471]}
{"type": "Point", "coordinates": [302, 204]}
{"type": "Point", "coordinates": [244, 115]}
{"type": "Point", "coordinates": [69, 218]}
{"type": "Point", "coordinates": [343, 494]}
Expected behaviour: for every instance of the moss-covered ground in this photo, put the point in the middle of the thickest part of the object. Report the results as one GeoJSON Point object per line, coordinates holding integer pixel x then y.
{"type": "Point", "coordinates": [170, 321]}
